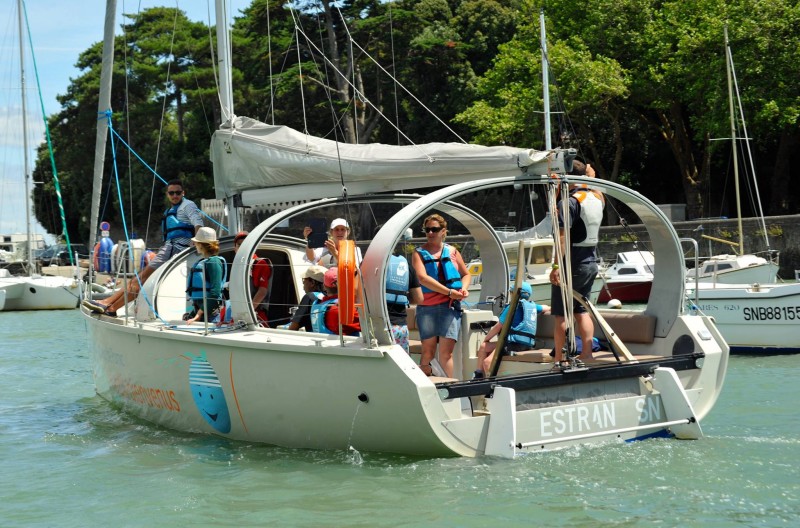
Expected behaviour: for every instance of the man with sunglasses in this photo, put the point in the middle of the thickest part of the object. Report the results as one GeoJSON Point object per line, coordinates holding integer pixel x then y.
{"type": "Point", "coordinates": [181, 222]}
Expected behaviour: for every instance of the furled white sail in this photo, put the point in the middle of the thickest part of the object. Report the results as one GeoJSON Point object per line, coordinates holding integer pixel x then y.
{"type": "Point", "coordinates": [263, 162]}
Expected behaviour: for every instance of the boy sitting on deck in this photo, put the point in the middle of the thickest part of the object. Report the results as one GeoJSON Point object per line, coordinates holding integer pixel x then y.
{"type": "Point", "coordinates": [521, 335]}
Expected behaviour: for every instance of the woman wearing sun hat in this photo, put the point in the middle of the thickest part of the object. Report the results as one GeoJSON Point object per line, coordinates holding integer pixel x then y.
{"type": "Point", "coordinates": [205, 279]}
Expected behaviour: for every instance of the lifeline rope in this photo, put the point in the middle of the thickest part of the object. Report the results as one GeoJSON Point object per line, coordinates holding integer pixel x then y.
{"type": "Point", "coordinates": [49, 142]}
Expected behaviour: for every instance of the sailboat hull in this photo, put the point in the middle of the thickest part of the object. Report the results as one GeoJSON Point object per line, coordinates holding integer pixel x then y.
{"type": "Point", "coordinates": [754, 318]}
{"type": "Point", "coordinates": [269, 386]}
{"type": "Point", "coordinates": [40, 293]}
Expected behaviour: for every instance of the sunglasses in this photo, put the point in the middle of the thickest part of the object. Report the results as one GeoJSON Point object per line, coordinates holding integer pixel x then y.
{"type": "Point", "coordinates": [432, 229]}
{"type": "Point", "coordinates": [174, 193]}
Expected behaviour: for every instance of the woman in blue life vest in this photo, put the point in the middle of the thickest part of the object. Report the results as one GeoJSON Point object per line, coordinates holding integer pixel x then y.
{"type": "Point", "coordinates": [444, 279]}
{"type": "Point", "coordinates": [205, 279]}
{"type": "Point", "coordinates": [521, 335]}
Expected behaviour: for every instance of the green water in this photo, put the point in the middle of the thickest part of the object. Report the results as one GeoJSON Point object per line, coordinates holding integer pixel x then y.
{"type": "Point", "coordinates": [71, 459]}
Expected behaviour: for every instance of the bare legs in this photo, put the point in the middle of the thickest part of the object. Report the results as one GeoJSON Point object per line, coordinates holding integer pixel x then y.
{"type": "Point", "coordinates": [485, 354]}
{"type": "Point", "coordinates": [583, 327]}
{"type": "Point", "coordinates": [116, 300]}
{"type": "Point", "coordinates": [446, 347]}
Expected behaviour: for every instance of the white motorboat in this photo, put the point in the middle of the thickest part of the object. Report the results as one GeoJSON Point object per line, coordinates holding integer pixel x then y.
{"type": "Point", "coordinates": [629, 279]}
{"type": "Point", "coordinates": [538, 259]}
{"type": "Point", "coordinates": [313, 390]}
{"type": "Point", "coordinates": [737, 269]}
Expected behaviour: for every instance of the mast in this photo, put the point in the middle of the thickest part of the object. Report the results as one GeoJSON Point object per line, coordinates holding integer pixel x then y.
{"type": "Point", "coordinates": [733, 141]}
{"type": "Point", "coordinates": [103, 105]}
{"type": "Point", "coordinates": [548, 142]}
{"type": "Point", "coordinates": [224, 61]}
{"type": "Point", "coordinates": [26, 164]}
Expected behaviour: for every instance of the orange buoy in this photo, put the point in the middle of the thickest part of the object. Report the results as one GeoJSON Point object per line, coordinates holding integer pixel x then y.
{"type": "Point", "coordinates": [347, 281]}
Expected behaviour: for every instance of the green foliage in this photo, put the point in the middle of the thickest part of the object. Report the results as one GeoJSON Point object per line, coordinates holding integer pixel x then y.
{"type": "Point", "coordinates": [641, 83]}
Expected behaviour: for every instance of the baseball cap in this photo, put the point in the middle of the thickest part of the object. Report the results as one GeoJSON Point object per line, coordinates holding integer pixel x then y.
{"type": "Point", "coordinates": [316, 273]}
{"type": "Point", "coordinates": [526, 292]}
{"type": "Point", "coordinates": [331, 278]}
{"type": "Point", "coordinates": [239, 236]}
{"type": "Point", "coordinates": [340, 222]}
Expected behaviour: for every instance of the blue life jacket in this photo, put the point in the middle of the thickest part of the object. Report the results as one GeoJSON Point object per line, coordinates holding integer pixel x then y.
{"type": "Point", "coordinates": [523, 329]}
{"type": "Point", "coordinates": [199, 275]}
{"type": "Point", "coordinates": [318, 311]}
{"type": "Point", "coordinates": [171, 227]}
{"type": "Point", "coordinates": [446, 274]}
{"type": "Point", "coordinates": [397, 277]}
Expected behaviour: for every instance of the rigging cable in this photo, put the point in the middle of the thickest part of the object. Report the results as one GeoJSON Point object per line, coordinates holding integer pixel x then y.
{"type": "Point", "coordinates": [49, 140]}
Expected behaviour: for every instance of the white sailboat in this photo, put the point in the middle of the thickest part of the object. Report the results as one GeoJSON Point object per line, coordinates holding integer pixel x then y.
{"type": "Point", "coordinates": [327, 391]}
{"type": "Point", "coordinates": [758, 316]}
{"type": "Point", "coordinates": [34, 291]}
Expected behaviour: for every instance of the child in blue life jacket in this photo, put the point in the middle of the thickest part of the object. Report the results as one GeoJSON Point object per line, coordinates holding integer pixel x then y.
{"type": "Point", "coordinates": [521, 335]}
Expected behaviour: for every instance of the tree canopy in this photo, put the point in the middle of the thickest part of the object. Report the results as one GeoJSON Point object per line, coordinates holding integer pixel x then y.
{"type": "Point", "coordinates": [638, 86]}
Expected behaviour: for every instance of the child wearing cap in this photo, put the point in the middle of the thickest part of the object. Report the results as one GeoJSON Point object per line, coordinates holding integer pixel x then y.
{"type": "Point", "coordinates": [325, 312]}
{"type": "Point", "coordinates": [313, 287]}
{"type": "Point", "coordinates": [327, 256]}
{"type": "Point", "coordinates": [521, 334]}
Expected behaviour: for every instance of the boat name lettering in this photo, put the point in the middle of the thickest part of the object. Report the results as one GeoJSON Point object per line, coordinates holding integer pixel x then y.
{"type": "Point", "coordinates": [771, 313]}
{"type": "Point", "coordinates": [707, 307]}
{"type": "Point", "coordinates": [152, 397]}
{"type": "Point", "coordinates": [732, 307]}
{"type": "Point", "coordinates": [649, 410]}
{"type": "Point", "coordinates": [578, 419]}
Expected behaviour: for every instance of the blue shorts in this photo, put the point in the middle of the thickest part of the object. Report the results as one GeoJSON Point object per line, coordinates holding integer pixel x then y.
{"type": "Point", "coordinates": [439, 320]}
{"type": "Point", "coordinates": [582, 281]}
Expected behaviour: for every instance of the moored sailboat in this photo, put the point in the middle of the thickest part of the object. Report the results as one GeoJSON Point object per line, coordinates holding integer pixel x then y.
{"type": "Point", "coordinates": [754, 314]}
{"type": "Point", "coordinates": [33, 291]}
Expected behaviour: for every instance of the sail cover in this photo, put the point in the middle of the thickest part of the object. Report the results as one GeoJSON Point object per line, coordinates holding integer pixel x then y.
{"type": "Point", "coordinates": [268, 163]}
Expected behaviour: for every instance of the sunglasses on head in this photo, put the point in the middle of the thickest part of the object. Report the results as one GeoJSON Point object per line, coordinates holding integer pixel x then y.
{"type": "Point", "coordinates": [432, 229]}
{"type": "Point", "coordinates": [174, 193]}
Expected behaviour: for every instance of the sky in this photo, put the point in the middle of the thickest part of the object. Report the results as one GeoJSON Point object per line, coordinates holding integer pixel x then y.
{"type": "Point", "coordinates": [59, 30]}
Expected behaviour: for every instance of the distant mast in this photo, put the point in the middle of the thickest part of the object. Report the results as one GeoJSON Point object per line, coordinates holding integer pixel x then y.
{"type": "Point", "coordinates": [25, 137]}
{"type": "Point", "coordinates": [728, 60]}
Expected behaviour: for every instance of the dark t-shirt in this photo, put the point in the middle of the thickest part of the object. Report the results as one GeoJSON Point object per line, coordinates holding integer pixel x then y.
{"type": "Point", "coordinates": [397, 312]}
{"type": "Point", "coordinates": [303, 314]}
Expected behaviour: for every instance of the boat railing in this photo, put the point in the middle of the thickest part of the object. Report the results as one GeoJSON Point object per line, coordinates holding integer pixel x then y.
{"type": "Point", "coordinates": [696, 273]}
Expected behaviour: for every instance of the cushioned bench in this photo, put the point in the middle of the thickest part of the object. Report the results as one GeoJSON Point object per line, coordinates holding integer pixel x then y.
{"type": "Point", "coordinates": [629, 327]}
